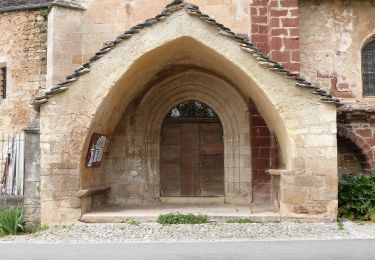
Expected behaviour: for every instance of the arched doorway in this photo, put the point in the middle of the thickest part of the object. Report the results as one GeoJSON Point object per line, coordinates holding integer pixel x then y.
{"type": "Point", "coordinates": [192, 152]}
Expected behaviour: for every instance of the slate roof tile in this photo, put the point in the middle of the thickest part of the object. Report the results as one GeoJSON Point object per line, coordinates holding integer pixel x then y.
{"type": "Point", "coordinates": [14, 5]}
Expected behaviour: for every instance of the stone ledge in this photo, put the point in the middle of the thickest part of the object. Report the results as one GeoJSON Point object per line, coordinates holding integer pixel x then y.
{"type": "Point", "coordinates": [89, 192]}
{"type": "Point", "coordinates": [11, 200]}
{"type": "Point", "coordinates": [275, 172]}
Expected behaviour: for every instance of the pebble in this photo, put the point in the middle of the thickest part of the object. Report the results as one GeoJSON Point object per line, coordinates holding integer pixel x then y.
{"type": "Point", "coordinates": [153, 232]}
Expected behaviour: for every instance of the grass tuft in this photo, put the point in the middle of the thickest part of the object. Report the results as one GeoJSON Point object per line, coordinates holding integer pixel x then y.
{"type": "Point", "coordinates": [35, 228]}
{"type": "Point", "coordinates": [134, 222]}
{"type": "Point", "coordinates": [179, 218]}
{"type": "Point", "coordinates": [239, 220]}
{"type": "Point", "coordinates": [11, 220]}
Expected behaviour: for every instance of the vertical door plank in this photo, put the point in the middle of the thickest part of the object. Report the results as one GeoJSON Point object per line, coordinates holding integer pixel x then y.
{"type": "Point", "coordinates": [170, 168]}
{"type": "Point", "coordinates": [211, 159]}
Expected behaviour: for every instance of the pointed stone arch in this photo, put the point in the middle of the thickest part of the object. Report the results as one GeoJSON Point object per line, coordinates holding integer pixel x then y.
{"type": "Point", "coordinates": [98, 99]}
{"type": "Point", "coordinates": [149, 113]}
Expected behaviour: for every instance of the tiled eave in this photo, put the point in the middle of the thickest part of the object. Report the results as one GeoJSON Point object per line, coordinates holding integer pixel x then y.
{"type": "Point", "coordinates": [21, 5]}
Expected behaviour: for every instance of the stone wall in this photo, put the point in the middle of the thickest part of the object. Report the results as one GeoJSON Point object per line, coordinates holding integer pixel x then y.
{"type": "Point", "coordinates": [11, 200]}
{"type": "Point", "coordinates": [348, 159]}
{"type": "Point", "coordinates": [275, 30]}
{"type": "Point", "coordinates": [265, 156]}
{"type": "Point", "coordinates": [332, 34]}
{"type": "Point", "coordinates": [358, 130]}
{"type": "Point", "coordinates": [23, 51]}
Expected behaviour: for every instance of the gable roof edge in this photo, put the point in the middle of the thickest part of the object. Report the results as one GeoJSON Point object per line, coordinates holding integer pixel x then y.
{"type": "Point", "coordinates": [193, 10]}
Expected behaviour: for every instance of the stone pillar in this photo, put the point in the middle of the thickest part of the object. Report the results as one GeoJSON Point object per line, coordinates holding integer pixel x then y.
{"type": "Point", "coordinates": [275, 30]}
{"type": "Point", "coordinates": [32, 172]}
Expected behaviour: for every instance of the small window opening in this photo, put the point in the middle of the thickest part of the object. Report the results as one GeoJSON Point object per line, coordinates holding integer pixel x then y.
{"type": "Point", "coordinates": [192, 109]}
{"type": "Point", "coordinates": [368, 68]}
{"type": "Point", "coordinates": [3, 83]}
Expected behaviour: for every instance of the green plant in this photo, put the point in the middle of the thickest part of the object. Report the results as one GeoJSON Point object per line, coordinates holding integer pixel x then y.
{"type": "Point", "coordinates": [133, 222]}
{"type": "Point", "coordinates": [38, 188]}
{"type": "Point", "coordinates": [11, 220]}
{"type": "Point", "coordinates": [239, 220]}
{"type": "Point", "coordinates": [44, 15]}
{"type": "Point", "coordinates": [372, 214]}
{"type": "Point", "coordinates": [357, 196]}
{"type": "Point", "coordinates": [179, 218]}
{"type": "Point", "coordinates": [36, 227]}
{"type": "Point", "coordinates": [65, 226]}
{"type": "Point", "coordinates": [122, 228]}
{"type": "Point", "coordinates": [340, 225]}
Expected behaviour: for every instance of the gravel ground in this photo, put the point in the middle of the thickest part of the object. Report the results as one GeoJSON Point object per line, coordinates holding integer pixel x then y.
{"type": "Point", "coordinates": [153, 232]}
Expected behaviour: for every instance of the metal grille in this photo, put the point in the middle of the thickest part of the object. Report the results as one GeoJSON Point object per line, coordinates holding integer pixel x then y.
{"type": "Point", "coordinates": [368, 69]}
{"type": "Point", "coordinates": [12, 164]}
{"type": "Point", "coordinates": [192, 109]}
{"type": "Point", "coordinates": [3, 82]}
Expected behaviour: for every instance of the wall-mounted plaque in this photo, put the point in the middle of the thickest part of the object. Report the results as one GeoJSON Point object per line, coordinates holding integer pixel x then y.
{"type": "Point", "coordinates": [98, 146]}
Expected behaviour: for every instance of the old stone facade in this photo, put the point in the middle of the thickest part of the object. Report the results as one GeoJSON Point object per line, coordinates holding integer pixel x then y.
{"type": "Point", "coordinates": [23, 60]}
{"type": "Point", "coordinates": [283, 76]}
{"type": "Point", "coordinates": [23, 51]}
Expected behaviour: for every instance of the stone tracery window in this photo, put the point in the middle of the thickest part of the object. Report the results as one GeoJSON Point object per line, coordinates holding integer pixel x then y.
{"type": "Point", "coordinates": [368, 68]}
{"type": "Point", "coordinates": [192, 109]}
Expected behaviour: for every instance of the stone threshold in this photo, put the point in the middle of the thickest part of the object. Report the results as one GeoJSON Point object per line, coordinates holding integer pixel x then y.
{"type": "Point", "coordinates": [215, 212]}
{"type": "Point", "coordinates": [192, 200]}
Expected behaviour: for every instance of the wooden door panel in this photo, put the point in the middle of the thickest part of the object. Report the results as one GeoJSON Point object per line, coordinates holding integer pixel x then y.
{"type": "Point", "coordinates": [189, 147]}
{"type": "Point", "coordinates": [192, 159]}
{"type": "Point", "coordinates": [211, 159]}
{"type": "Point", "coordinates": [211, 133]}
{"type": "Point", "coordinates": [170, 134]}
{"type": "Point", "coordinates": [212, 149]}
{"type": "Point", "coordinates": [212, 175]}
{"type": "Point", "coordinates": [170, 170]}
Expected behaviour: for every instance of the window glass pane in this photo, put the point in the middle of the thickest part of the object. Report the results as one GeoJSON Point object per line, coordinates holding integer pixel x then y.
{"type": "Point", "coordinates": [192, 109]}
{"type": "Point", "coordinates": [3, 77]}
{"type": "Point", "coordinates": [368, 69]}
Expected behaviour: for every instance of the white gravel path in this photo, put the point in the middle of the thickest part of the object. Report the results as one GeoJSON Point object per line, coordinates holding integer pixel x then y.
{"type": "Point", "coordinates": [153, 232]}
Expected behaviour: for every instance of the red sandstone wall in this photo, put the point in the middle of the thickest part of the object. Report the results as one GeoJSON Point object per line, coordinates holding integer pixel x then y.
{"type": "Point", "coordinates": [275, 30]}
{"type": "Point", "coordinates": [358, 131]}
{"type": "Point", "coordinates": [265, 155]}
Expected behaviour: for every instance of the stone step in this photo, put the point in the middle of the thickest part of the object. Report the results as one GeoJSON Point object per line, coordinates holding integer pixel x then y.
{"type": "Point", "coordinates": [143, 214]}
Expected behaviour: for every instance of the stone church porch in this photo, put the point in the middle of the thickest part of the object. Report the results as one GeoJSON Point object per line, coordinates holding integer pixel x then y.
{"type": "Point", "coordinates": [129, 88]}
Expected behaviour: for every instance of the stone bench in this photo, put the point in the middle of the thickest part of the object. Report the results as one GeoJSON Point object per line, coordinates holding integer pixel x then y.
{"type": "Point", "coordinates": [93, 198]}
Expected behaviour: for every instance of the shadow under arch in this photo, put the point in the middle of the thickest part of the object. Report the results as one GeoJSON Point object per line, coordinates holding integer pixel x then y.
{"type": "Point", "coordinates": [130, 83]}
{"type": "Point", "coordinates": [232, 110]}
{"type": "Point", "coordinates": [352, 140]}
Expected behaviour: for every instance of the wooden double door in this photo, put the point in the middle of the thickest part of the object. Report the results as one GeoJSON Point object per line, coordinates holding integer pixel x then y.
{"type": "Point", "coordinates": [192, 158]}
